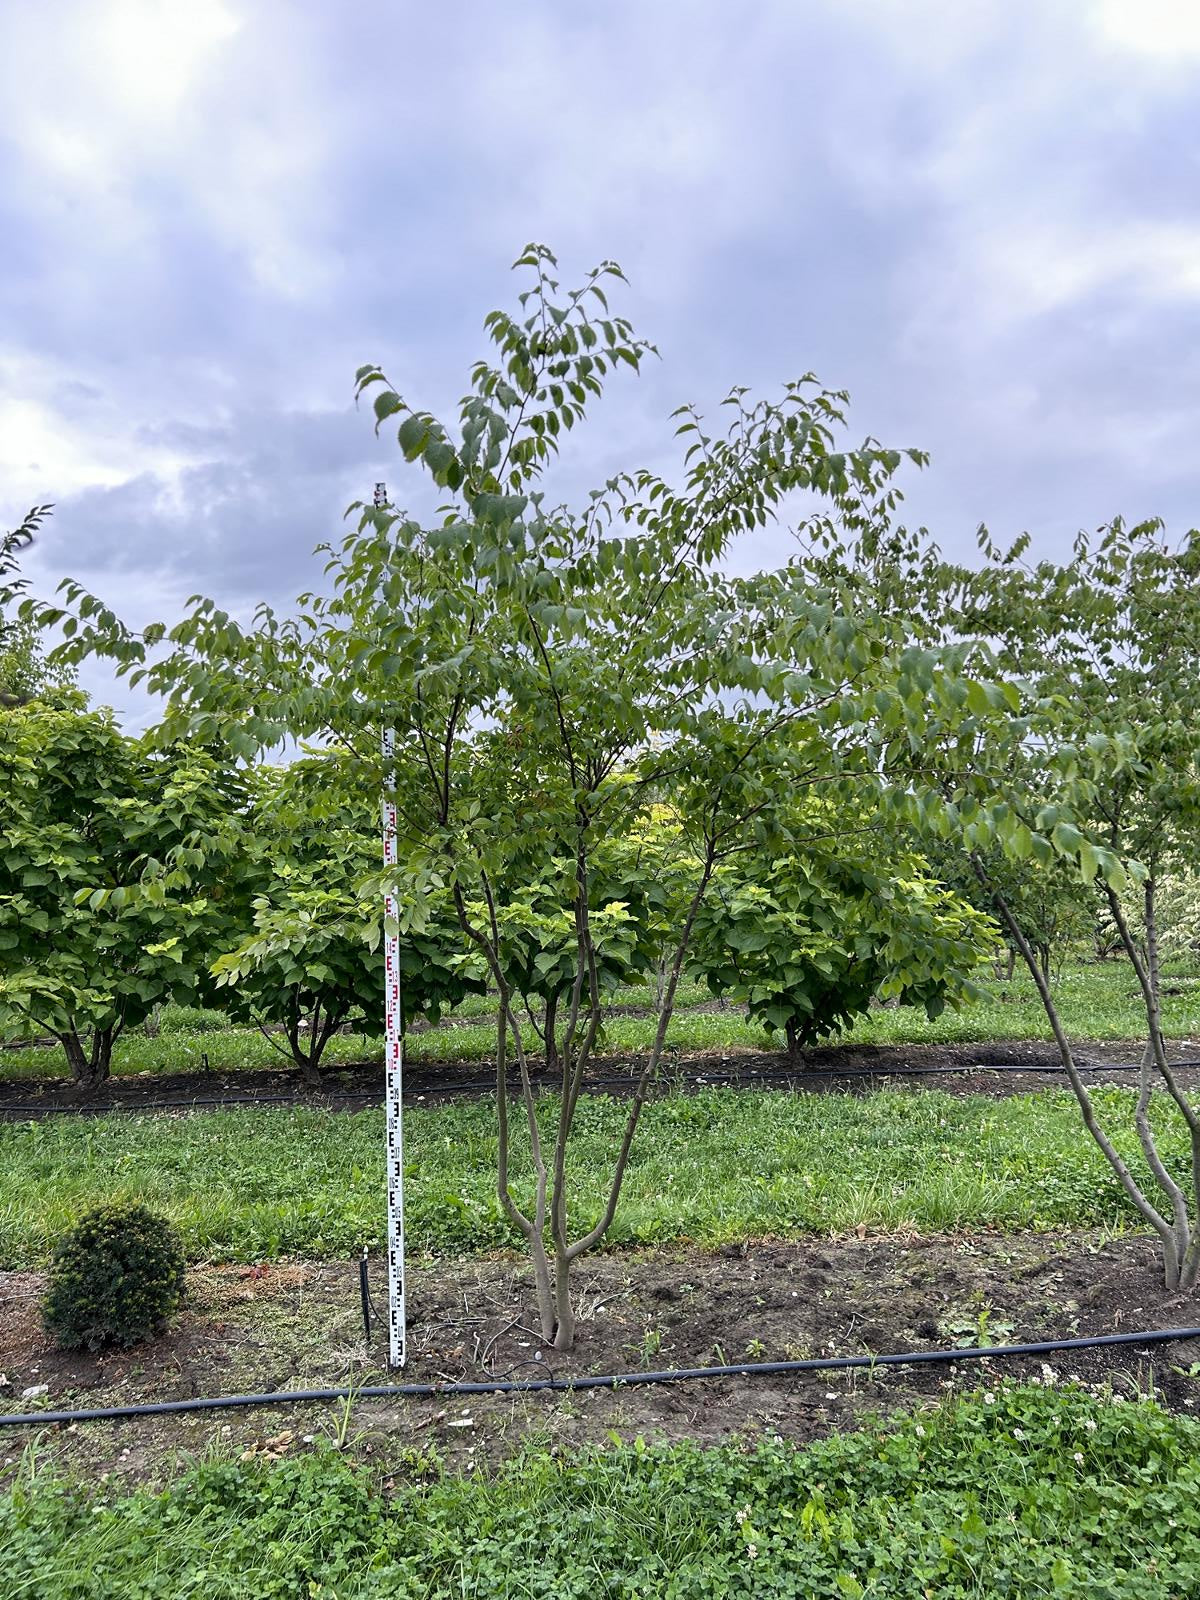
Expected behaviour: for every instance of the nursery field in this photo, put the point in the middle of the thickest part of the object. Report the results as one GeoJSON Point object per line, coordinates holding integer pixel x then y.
{"type": "Point", "coordinates": [759, 1237]}
{"type": "Point", "coordinates": [756, 1227]}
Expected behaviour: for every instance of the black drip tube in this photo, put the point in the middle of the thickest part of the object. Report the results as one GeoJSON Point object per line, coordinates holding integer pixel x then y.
{"type": "Point", "coordinates": [614, 1380]}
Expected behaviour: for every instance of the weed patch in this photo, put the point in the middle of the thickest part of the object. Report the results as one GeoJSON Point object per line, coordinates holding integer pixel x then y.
{"type": "Point", "coordinates": [1023, 1492]}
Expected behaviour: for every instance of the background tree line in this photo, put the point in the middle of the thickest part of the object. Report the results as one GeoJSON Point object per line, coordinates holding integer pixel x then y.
{"type": "Point", "coordinates": [138, 874]}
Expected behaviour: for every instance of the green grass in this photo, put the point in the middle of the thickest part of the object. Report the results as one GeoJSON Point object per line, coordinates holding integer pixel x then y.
{"type": "Point", "coordinates": [1097, 1003]}
{"type": "Point", "coordinates": [190, 1019]}
{"type": "Point", "coordinates": [186, 1050]}
{"type": "Point", "coordinates": [1025, 1492]}
{"type": "Point", "coordinates": [726, 1164]}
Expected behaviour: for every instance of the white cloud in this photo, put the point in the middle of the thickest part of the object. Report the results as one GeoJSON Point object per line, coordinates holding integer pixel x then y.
{"type": "Point", "coordinates": [87, 87]}
{"type": "Point", "coordinates": [1022, 272]}
{"type": "Point", "coordinates": [1168, 30]}
{"type": "Point", "coordinates": [126, 110]}
{"type": "Point", "coordinates": [147, 54]}
{"type": "Point", "coordinates": [58, 437]}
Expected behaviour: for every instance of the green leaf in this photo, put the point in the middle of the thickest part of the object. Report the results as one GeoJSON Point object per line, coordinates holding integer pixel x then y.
{"type": "Point", "coordinates": [411, 435]}
{"type": "Point", "coordinates": [386, 405]}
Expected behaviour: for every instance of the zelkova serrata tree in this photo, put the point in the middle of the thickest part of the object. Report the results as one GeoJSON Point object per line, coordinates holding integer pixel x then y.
{"type": "Point", "coordinates": [1112, 643]}
{"type": "Point", "coordinates": [554, 674]}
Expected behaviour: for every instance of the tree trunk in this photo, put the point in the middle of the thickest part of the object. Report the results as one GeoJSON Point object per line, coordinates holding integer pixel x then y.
{"type": "Point", "coordinates": [545, 1288]}
{"type": "Point", "coordinates": [566, 1252]}
{"type": "Point", "coordinates": [90, 1067]}
{"type": "Point", "coordinates": [1145, 964]}
{"type": "Point", "coordinates": [793, 1043]}
{"type": "Point", "coordinates": [564, 1311]}
{"type": "Point", "coordinates": [1172, 1234]}
{"type": "Point", "coordinates": [321, 1028]}
{"type": "Point", "coordinates": [1152, 974]}
{"type": "Point", "coordinates": [552, 1056]}
{"type": "Point", "coordinates": [307, 1060]}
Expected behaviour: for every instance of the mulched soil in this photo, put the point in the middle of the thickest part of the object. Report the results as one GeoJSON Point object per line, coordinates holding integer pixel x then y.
{"type": "Point", "coordinates": [298, 1325]}
{"type": "Point", "coordinates": [836, 1069]}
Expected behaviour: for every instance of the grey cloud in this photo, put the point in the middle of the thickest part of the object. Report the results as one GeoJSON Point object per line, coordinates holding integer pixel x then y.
{"type": "Point", "coordinates": [240, 524]}
{"type": "Point", "coordinates": [859, 189]}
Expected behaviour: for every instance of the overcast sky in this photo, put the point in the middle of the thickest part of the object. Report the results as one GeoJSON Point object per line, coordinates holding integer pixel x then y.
{"type": "Point", "coordinates": [979, 218]}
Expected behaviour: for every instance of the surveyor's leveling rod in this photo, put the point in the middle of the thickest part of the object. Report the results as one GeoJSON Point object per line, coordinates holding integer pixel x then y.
{"type": "Point", "coordinates": [393, 1072]}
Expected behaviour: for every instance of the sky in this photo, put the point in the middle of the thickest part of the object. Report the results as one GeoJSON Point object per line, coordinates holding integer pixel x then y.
{"type": "Point", "coordinates": [979, 218]}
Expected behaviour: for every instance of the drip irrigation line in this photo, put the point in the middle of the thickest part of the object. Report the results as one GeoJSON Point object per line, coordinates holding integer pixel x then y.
{"type": "Point", "coordinates": [18, 1110]}
{"type": "Point", "coordinates": [615, 1380]}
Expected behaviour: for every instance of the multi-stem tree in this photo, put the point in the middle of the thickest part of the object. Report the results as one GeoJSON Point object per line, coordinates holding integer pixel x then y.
{"type": "Point", "coordinates": [553, 674]}
{"type": "Point", "coordinates": [1106, 774]}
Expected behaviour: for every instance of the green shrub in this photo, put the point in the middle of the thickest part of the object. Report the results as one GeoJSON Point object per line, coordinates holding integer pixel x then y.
{"type": "Point", "coordinates": [114, 1279]}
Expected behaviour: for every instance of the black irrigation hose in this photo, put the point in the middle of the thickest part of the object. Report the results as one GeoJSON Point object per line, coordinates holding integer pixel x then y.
{"type": "Point", "coordinates": [615, 1380]}
{"type": "Point", "coordinates": [20, 1110]}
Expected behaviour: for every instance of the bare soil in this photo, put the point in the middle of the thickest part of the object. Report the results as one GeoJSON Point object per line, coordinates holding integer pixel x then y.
{"type": "Point", "coordinates": [299, 1325]}
{"type": "Point", "coordinates": [857, 1069]}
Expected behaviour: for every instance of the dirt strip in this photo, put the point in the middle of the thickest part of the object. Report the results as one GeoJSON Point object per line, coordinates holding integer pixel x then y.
{"type": "Point", "coordinates": [953, 1069]}
{"type": "Point", "coordinates": [299, 1325]}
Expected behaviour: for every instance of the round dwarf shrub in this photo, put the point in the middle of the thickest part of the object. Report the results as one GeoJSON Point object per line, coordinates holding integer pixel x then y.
{"type": "Point", "coordinates": [115, 1278]}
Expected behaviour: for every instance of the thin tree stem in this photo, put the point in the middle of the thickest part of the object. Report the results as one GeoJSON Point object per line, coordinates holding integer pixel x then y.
{"type": "Point", "coordinates": [1126, 1179]}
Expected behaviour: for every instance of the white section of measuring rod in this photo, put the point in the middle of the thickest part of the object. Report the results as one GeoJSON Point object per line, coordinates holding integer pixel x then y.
{"type": "Point", "coordinates": [393, 1083]}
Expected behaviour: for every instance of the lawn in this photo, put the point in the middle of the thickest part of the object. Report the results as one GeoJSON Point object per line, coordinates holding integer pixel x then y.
{"type": "Point", "coordinates": [247, 1184]}
{"type": "Point", "coordinates": [1020, 1491]}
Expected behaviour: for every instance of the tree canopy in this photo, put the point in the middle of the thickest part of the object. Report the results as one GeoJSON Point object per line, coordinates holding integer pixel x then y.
{"type": "Point", "coordinates": [121, 870]}
{"type": "Point", "coordinates": [24, 671]}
